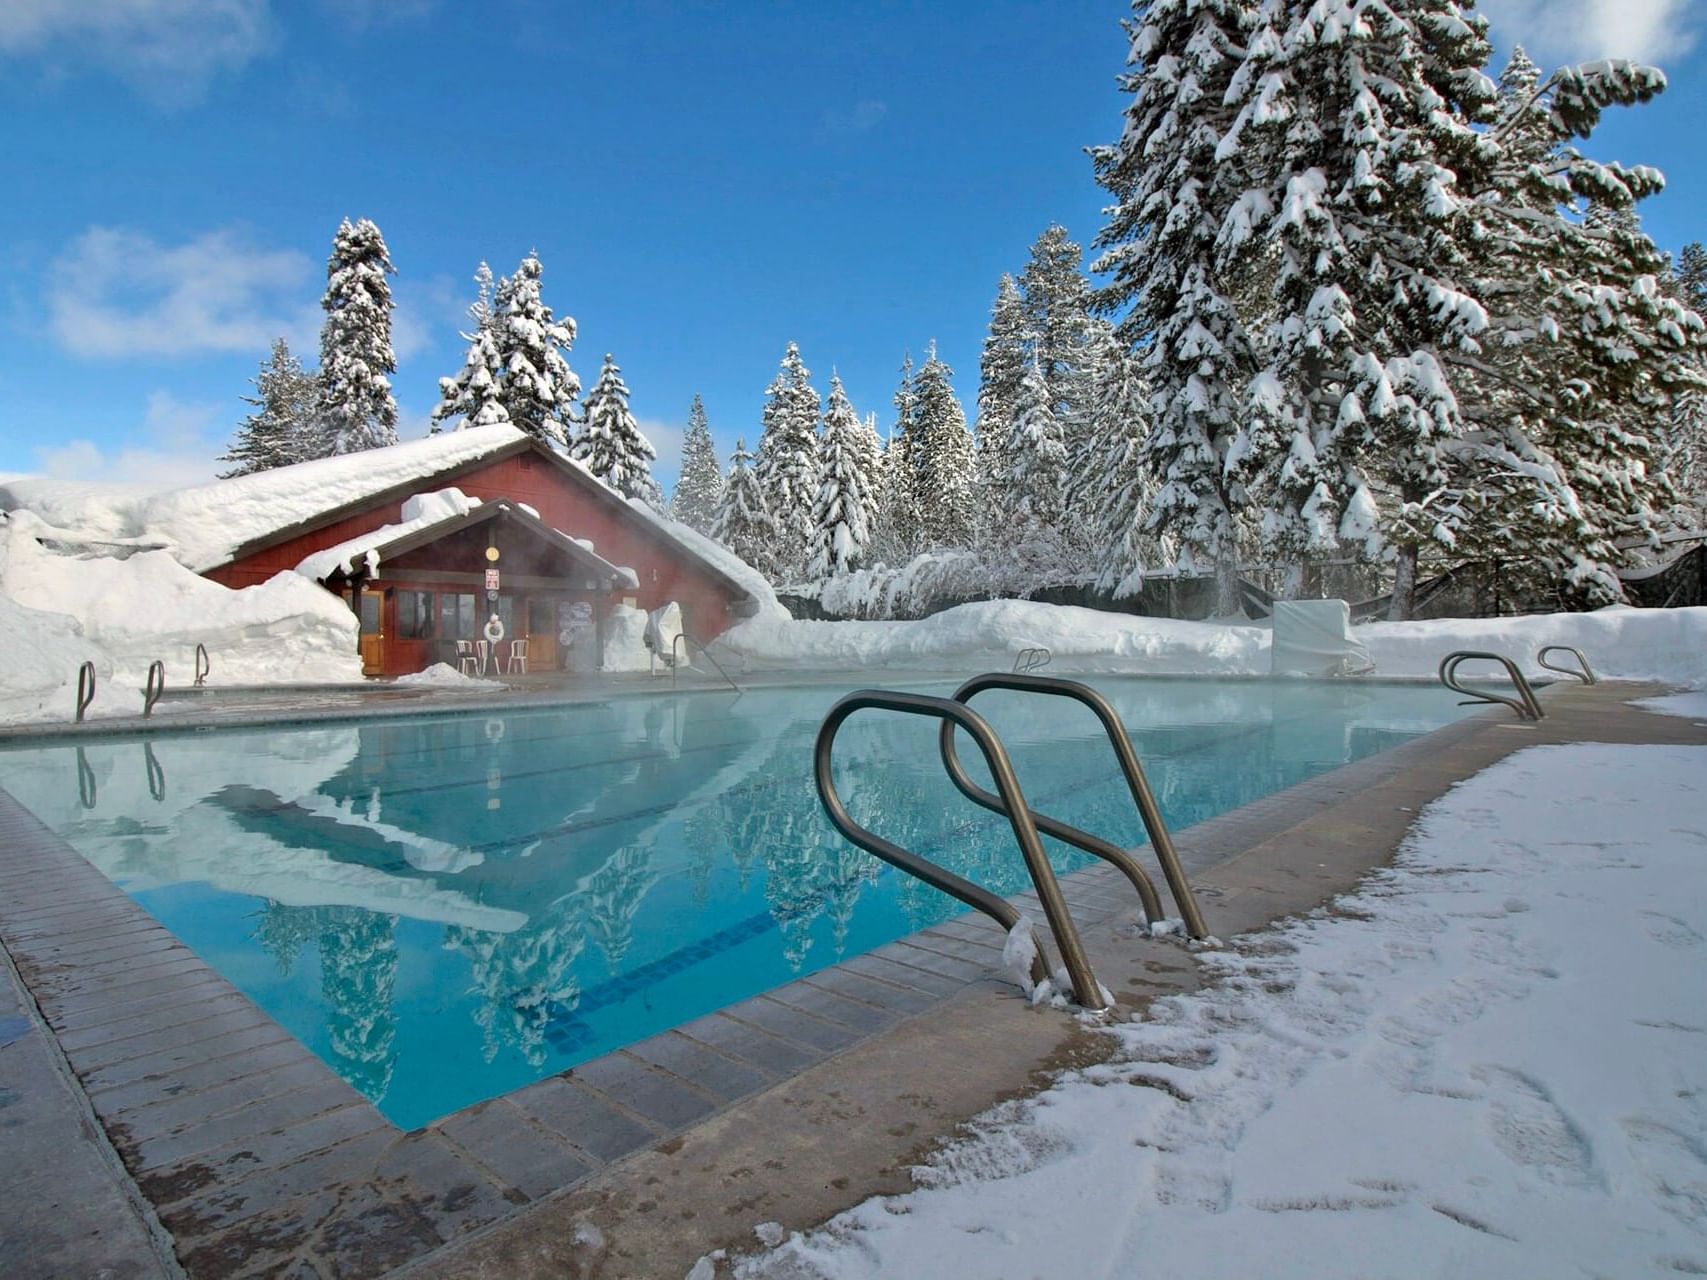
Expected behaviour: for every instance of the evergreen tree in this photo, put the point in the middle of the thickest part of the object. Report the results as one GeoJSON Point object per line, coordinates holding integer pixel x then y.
{"type": "Point", "coordinates": [700, 487]}
{"type": "Point", "coordinates": [1057, 319]}
{"type": "Point", "coordinates": [1112, 486]}
{"type": "Point", "coordinates": [1033, 490]}
{"type": "Point", "coordinates": [787, 466]}
{"type": "Point", "coordinates": [1588, 361]}
{"type": "Point", "coordinates": [1001, 369]}
{"type": "Point", "coordinates": [474, 393]}
{"type": "Point", "coordinates": [939, 453]}
{"type": "Point", "coordinates": [1172, 198]}
{"type": "Point", "coordinates": [896, 535]}
{"type": "Point", "coordinates": [1690, 277]}
{"type": "Point", "coordinates": [744, 523]}
{"type": "Point", "coordinates": [284, 427]}
{"type": "Point", "coordinates": [537, 386]}
{"type": "Point", "coordinates": [609, 442]}
{"type": "Point", "coordinates": [356, 362]}
{"type": "Point", "coordinates": [841, 530]}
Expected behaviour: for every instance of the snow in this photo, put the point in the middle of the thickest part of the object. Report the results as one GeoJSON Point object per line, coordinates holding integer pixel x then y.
{"type": "Point", "coordinates": [625, 641]}
{"type": "Point", "coordinates": [420, 511]}
{"type": "Point", "coordinates": [56, 611]}
{"type": "Point", "coordinates": [1691, 706]}
{"type": "Point", "coordinates": [1667, 645]}
{"type": "Point", "coordinates": [1484, 1062]}
{"type": "Point", "coordinates": [441, 675]}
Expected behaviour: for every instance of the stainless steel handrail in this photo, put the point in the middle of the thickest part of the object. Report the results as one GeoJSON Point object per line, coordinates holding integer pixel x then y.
{"type": "Point", "coordinates": [154, 688]}
{"type": "Point", "coordinates": [676, 660]}
{"type": "Point", "coordinates": [1525, 704]}
{"type": "Point", "coordinates": [1136, 782]}
{"type": "Point", "coordinates": [86, 789]}
{"type": "Point", "coordinates": [1586, 675]}
{"type": "Point", "coordinates": [1055, 911]}
{"type": "Point", "coordinates": [203, 665]}
{"type": "Point", "coordinates": [1032, 659]}
{"type": "Point", "coordinates": [85, 688]}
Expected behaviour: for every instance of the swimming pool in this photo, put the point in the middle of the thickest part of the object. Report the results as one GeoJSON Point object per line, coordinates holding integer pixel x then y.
{"type": "Point", "coordinates": [446, 908]}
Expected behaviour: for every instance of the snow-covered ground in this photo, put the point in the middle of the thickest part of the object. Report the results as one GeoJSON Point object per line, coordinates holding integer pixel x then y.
{"type": "Point", "coordinates": [1489, 1061]}
{"type": "Point", "coordinates": [1668, 645]}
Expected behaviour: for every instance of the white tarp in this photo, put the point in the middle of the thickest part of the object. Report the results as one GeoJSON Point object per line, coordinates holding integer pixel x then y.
{"type": "Point", "coordinates": [1313, 638]}
{"type": "Point", "coordinates": [663, 625]}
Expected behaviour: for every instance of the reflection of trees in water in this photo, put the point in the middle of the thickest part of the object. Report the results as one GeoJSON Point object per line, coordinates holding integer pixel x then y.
{"type": "Point", "coordinates": [522, 977]}
{"type": "Point", "coordinates": [611, 898]}
{"type": "Point", "coordinates": [358, 982]}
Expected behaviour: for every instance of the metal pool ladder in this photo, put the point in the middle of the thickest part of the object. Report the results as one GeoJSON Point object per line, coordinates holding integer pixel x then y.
{"type": "Point", "coordinates": [1085, 988]}
{"type": "Point", "coordinates": [1032, 659]}
{"type": "Point", "coordinates": [1527, 706]}
{"type": "Point", "coordinates": [1586, 674]}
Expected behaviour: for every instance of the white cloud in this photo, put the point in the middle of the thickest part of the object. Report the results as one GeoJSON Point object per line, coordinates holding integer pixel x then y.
{"type": "Point", "coordinates": [167, 49]}
{"type": "Point", "coordinates": [1555, 31]}
{"type": "Point", "coordinates": [179, 445]}
{"type": "Point", "coordinates": [847, 122]}
{"type": "Point", "coordinates": [119, 293]}
{"type": "Point", "coordinates": [666, 438]}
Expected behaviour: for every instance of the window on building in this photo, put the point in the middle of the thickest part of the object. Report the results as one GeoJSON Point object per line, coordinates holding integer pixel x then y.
{"type": "Point", "coordinates": [415, 615]}
{"type": "Point", "coordinates": [507, 615]}
{"type": "Point", "coordinates": [458, 617]}
{"type": "Point", "coordinates": [371, 612]}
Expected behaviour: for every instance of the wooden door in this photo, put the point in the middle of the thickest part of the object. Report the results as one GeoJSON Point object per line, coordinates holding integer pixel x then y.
{"type": "Point", "coordinates": [373, 633]}
{"type": "Point", "coordinates": [542, 635]}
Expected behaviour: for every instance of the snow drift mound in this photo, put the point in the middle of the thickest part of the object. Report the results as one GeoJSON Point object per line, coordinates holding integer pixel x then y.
{"type": "Point", "coordinates": [124, 614]}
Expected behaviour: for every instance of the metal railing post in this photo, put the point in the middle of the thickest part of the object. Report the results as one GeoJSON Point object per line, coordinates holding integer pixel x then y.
{"type": "Point", "coordinates": [1526, 704]}
{"type": "Point", "coordinates": [203, 665]}
{"type": "Point", "coordinates": [1139, 785]}
{"type": "Point", "coordinates": [1085, 988]}
{"type": "Point", "coordinates": [676, 661]}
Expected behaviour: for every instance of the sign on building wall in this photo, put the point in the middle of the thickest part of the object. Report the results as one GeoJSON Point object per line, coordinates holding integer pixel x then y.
{"type": "Point", "coordinates": [491, 579]}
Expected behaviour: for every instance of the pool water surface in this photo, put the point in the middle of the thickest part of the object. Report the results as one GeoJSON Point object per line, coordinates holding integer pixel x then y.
{"type": "Point", "coordinates": [446, 908]}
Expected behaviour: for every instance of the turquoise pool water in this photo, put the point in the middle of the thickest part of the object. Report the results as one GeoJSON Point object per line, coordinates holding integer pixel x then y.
{"type": "Point", "coordinates": [449, 907]}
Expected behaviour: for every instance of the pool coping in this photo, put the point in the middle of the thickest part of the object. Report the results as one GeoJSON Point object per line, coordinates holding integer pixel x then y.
{"type": "Point", "coordinates": [251, 1151]}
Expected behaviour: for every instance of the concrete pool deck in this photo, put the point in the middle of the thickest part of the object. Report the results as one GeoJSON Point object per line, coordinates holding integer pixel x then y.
{"type": "Point", "coordinates": [165, 1122]}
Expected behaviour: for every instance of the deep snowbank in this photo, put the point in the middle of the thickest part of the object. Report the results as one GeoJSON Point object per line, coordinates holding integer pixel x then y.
{"type": "Point", "coordinates": [1668, 645]}
{"type": "Point", "coordinates": [61, 609]}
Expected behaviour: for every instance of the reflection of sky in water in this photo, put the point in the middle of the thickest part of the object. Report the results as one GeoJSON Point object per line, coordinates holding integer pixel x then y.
{"type": "Point", "coordinates": [445, 909]}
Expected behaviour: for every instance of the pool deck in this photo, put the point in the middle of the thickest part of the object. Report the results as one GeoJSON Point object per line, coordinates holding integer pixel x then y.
{"type": "Point", "coordinates": [156, 1123]}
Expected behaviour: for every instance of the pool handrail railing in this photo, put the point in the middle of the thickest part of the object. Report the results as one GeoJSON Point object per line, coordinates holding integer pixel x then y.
{"type": "Point", "coordinates": [154, 688]}
{"type": "Point", "coordinates": [1034, 658]}
{"type": "Point", "coordinates": [1130, 767]}
{"type": "Point", "coordinates": [85, 689]}
{"type": "Point", "coordinates": [1086, 990]}
{"type": "Point", "coordinates": [1526, 704]}
{"type": "Point", "coordinates": [1586, 675]}
{"type": "Point", "coordinates": [203, 665]}
{"type": "Point", "coordinates": [682, 638]}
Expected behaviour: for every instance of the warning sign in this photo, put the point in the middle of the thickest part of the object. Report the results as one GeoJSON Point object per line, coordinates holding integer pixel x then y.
{"type": "Point", "coordinates": [491, 579]}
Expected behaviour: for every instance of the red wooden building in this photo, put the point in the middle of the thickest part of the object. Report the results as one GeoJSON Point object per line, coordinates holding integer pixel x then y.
{"type": "Point", "coordinates": [565, 549]}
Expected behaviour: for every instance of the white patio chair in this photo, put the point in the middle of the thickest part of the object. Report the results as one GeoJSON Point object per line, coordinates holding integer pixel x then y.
{"type": "Point", "coordinates": [518, 657]}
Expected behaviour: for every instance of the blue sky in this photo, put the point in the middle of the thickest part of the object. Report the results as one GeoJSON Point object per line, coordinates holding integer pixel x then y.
{"type": "Point", "coordinates": [703, 183]}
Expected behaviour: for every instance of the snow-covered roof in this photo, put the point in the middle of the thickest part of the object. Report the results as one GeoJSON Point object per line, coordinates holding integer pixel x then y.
{"type": "Point", "coordinates": [206, 523]}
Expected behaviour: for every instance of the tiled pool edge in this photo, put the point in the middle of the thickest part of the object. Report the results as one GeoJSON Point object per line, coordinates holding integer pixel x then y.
{"type": "Point", "coordinates": [303, 1165]}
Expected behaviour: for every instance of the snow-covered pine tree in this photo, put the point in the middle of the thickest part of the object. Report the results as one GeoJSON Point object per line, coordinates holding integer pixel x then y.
{"type": "Point", "coordinates": [1588, 359]}
{"type": "Point", "coordinates": [283, 428]}
{"type": "Point", "coordinates": [1062, 335]}
{"type": "Point", "coordinates": [1032, 491]}
{"type": "Point", "coordinates": [1172, 197]}
{"type": "Point", "coordinates": [1110, 489]}
{"type": "Point", "coordinates": [700, 487]}
{"type": "Point", "coordinates": [1689, 277]}
{"type": "Point", "coordinates": [787, 464]}
{"type": "Point", "coordinates": [356, 361]}
{"type": "Point", "coordinates": [1357, 134]}
{"type": "Point", "coordinates": [609, 442]}
{"type": "Point", "coordinates": [841, 530]}
{"type": "Point", "coordinates": [744, 523]}
{"type": "Point", "coordinates": [538, 388]}
{"type": "Point", "coordinates": [896, 532]}
{"type": "Point", "coordinates": [939, 451]}
{"type": "Point", "coordinates": [1001, 369]}
{"type": "Point", "coordinates": [474, 393]}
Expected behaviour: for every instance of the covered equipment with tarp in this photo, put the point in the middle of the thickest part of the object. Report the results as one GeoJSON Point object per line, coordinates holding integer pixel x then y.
{"type": "Point", "coordinates": [1313, 638]}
